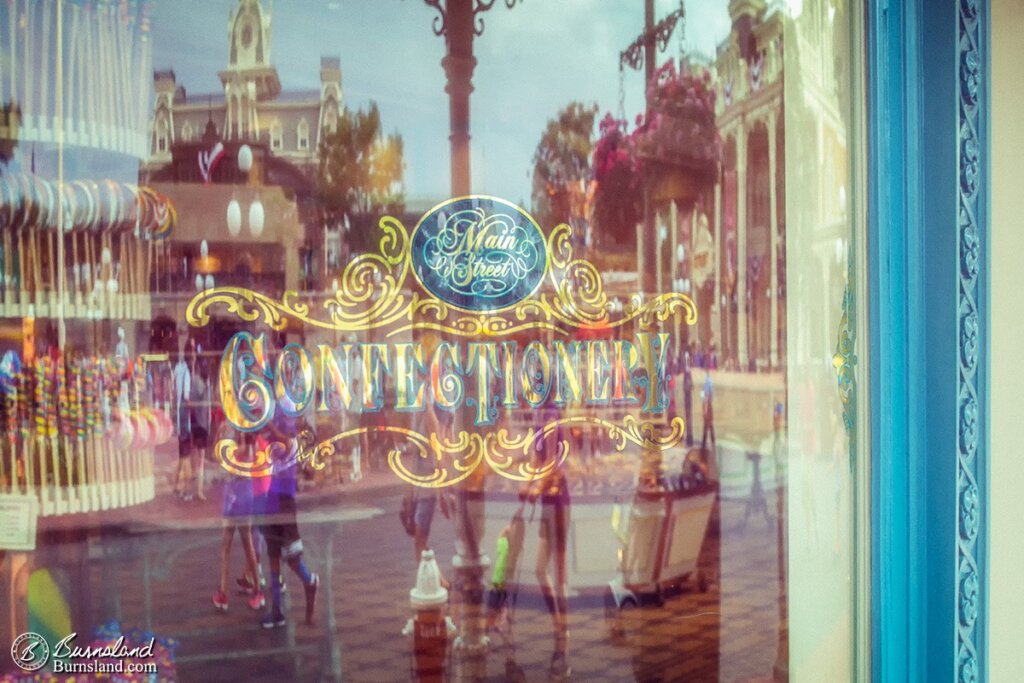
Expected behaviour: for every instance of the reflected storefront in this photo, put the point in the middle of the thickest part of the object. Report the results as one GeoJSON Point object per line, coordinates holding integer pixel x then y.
{"type": "Point", "coordinates": [513, 341]}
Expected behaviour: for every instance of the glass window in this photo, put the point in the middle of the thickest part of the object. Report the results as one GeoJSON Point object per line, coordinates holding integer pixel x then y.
{"type": "Point", "coordinates": [275, 136]}
{"type": "Point", "coordinates": [528, 354]}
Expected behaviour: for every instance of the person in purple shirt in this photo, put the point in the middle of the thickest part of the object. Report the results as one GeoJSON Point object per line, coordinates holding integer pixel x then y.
{"type": "Point", "coordinates": [280, 527]}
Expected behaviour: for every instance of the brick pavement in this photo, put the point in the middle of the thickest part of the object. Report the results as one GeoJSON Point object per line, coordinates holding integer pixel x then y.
{"type": "Point", "coordinates": [158, 564]}
{"type": "Point", "coordinates": [728, 633]}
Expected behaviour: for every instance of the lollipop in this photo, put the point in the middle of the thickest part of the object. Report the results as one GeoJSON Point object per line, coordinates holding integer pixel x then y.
{"type": "Point", "coordinates": [128, 193]}
{"type": "Point", "coordinates": [64, 399]}
{"type": "Point", "coordinates": [165, 217]}
{"type": "Point", "coordinates": [46, 404]}
{"type": "Point", "coordinates": [91, 209]}
{"type": "Point", "coordinates": [10, 367]}
{"type": "Point", "coordinates": [77, 410]}
{"type": "Point", "coordinates": [23, 404]}
{"type": "Point", "coordinates": [145, 428]}
{"type": "Point", "coordinates": [22, 202]}
{"type": "Point", "coordinates": [42, 193]}
{"type": "Point", "coordinates": [139, 378]}
{"type": "Point", "coordinates": [165, 428]}
{"type": "Point", "coordinates": [80, 203]}
{"type": "Point", "coordinates": [146, 210]}
{"type": "Point", "coordinates": [90, 405]}
{"type": "Point", "coordinates": [7, 195]}
{"type": "Point", "coordinates": [115, 206]}
{"type": "Point", "coordinates": [123, 434]}
{"type": "Point", "coordinates": [10, 371]}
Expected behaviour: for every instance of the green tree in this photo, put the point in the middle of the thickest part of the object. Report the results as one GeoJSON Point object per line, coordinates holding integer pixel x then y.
{"type": "Point", "coordinates": [361, 169]}
{"type": "Point", "coordinates": [561, 165]}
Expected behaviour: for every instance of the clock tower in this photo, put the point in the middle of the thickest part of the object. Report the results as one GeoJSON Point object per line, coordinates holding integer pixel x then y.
{"type": "Point", "coordinates": [250, 77]}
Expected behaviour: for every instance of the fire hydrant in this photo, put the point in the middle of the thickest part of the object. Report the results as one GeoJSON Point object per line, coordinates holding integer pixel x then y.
{"type": "Point", "coordinates": [431, 627]}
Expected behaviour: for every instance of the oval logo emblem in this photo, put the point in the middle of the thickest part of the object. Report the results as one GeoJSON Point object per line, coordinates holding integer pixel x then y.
{"type": "Point", "coordinates": [479, 253]}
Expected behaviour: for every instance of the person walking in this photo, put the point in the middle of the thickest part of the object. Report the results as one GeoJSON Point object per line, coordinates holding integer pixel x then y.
{"type": "Point", "coordinates": [238, 512]}
{"type": "Point", "coordinates": [551, 568]}
{"type": "Point", "coordinates": [201, 418]}
{"type": "Point", "coordinates": [425, 501]}
{"type": "Point", "coordinates": [707, 399]}
{"type": "Point", "coordinates": [280, 516]}
{"type": "Point", "coordinates": [182, 383]}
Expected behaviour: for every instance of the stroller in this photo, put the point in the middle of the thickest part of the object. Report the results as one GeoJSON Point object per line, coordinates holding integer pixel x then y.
{"type": "Point", "coordinates": [660, 535]}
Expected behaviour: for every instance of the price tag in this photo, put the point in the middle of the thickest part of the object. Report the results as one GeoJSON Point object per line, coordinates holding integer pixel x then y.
{"type": "Point", "coordinates": [18, 514]}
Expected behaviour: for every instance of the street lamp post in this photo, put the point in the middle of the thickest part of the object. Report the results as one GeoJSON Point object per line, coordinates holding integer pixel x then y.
{"type": "Point", "coordinates": [459, 22]}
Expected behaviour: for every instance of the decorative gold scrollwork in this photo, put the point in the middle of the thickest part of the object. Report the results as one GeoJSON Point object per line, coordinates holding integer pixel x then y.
{"type": "Point", "coordinates": [226, 451]}
{"type": "Point", "coordinates": [446, 462]}
{"type": "Point", "coordinates": [373, 294]}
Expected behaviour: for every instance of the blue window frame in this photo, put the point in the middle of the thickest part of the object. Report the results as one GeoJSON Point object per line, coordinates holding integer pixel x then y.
{"type": "Point", "coordinates": [928, 227]}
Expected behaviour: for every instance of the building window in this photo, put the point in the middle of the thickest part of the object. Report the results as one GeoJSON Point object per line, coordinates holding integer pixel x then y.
{"type": "Point", "coordinates": [186, 131]}
{"type": "Point", "coordinates": [303, 134]}
{"type": "Point", "coordinates": [275, 136]}
{"type": "Point", "coordinates": [330, 117]}
{"type": "Point", "coordinates": [161, 132]}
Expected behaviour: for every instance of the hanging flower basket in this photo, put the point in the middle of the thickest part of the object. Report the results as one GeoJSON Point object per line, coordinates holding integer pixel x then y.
{"type": "Point", "coordinates": [675, 147]}
{"type": "Point", "coordinates": [680, 129]}
{"type": "Point", "coordinates": [618, 196]}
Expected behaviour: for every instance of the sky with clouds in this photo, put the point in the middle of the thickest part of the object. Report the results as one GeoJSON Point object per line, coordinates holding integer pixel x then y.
{"type": "Point", "coordinates": [532, 60]}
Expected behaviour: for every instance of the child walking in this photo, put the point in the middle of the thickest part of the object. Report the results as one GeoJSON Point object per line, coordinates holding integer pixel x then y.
{"type": "Point", "coordinates": [280, 527]}
{"type": "Point", "coordinates": [238, 512]}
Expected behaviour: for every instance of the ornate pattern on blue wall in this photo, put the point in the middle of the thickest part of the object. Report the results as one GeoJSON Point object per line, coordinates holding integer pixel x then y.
{"type": "Point", "coordinates": [970, 465]}
{"type": "Point", "coordinates": [844, 360]}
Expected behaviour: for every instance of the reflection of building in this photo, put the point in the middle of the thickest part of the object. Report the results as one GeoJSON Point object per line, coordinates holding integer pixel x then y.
{"type": "Point", "coordinates": [734, 265]}
{"type": "Point", "coordinates": [251, 105]}
{"type": "Point", "coordinates": [750, 205]}
{"type": "Point", "coordinates": [256, 221]}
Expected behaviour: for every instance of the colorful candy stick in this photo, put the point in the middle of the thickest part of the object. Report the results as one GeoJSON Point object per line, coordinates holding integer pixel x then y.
{"type": "Point", "coordinates": [78, 410]}
{"type": "Point", "coordinates": [116, 459]}
{"type": "Point", "coordinates": [52, 404]}
{"type": "Point", "coordinates": [107, 466]}
{"type": "Point", "coordinates": [8, 269]}
{"type": "Point", "coordinates": [20, 277]}
{"type": "Point", "coordinates": [29, 465]}
{"type": "Point", "coordinates": [124, 280]}
{"type": "Point", "coordinates": [87, 273]}
{"type": "Point", "coordinates": [91, 454]}
{"type": "Point", "coordinates": [11, 403]}
{"type": "Point", "coordinates": [53, 267]}
{"type": "Point", "coordinates": [34, 269]}
{"type": "Point", "coordinates": [76, 269]}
